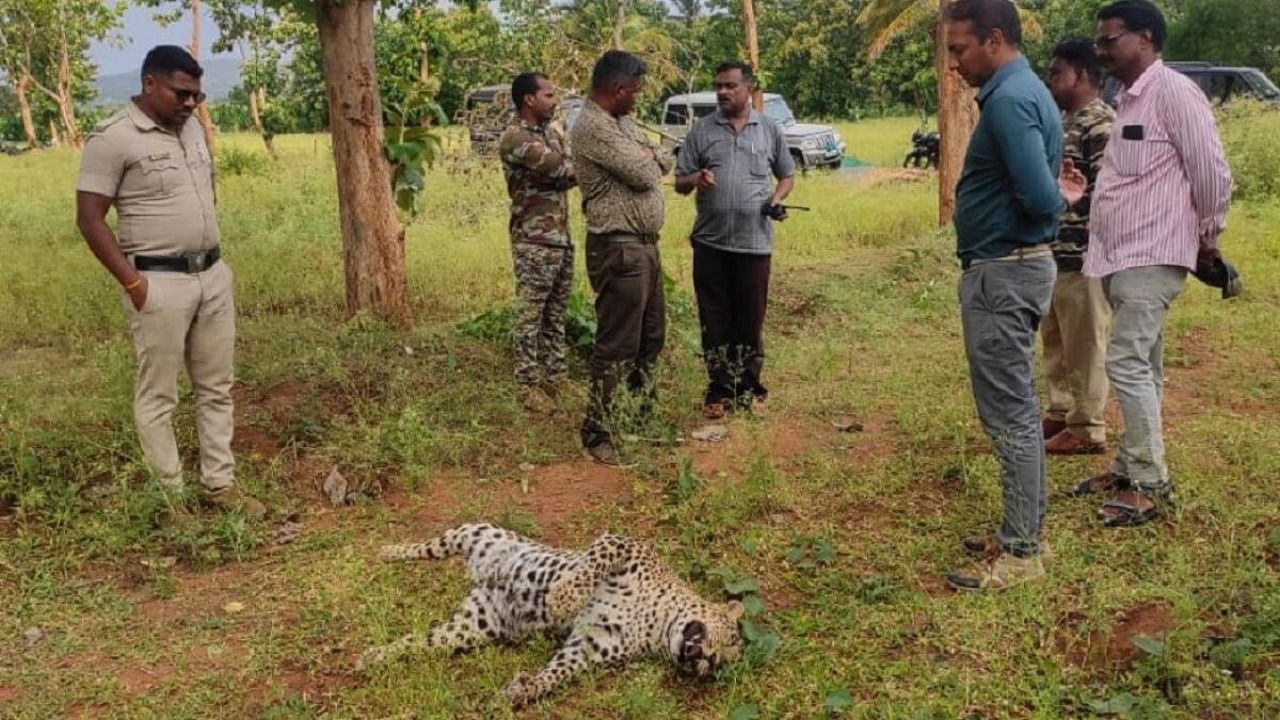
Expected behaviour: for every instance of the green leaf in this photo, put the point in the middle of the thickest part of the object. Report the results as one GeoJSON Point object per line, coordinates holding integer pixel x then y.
{"type": "Point", "coordinates": [1117, 705]}
{"type": "Point", "coordinates": [826, 554]}
{"type": "Point", "coordinates": [762, 644]}
{"type": "Point", "coordinates": [838, 699]}
{"type": "Point", "coordinates": [754, 605]}
{"type": "Point", "coordinates": [742, 586]}
{"type": "Point", "coordinates": [751, 546]}
{"type": "Point", "coordinates": [723, 571]}
{"type": "Point", "coordinates": [746, 711]}
{"type": "Point", "coordinates": [1150, 646]}
{"type": "Point", "coordinates": [795, 555]}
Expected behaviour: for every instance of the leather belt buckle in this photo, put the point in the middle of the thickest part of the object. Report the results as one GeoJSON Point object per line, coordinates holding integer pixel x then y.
{"type": "Point", "coordinates": [197, 262]}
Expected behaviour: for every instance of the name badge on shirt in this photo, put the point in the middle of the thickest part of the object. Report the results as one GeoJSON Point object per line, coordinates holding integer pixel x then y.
{"type": "Point", "coordinates": [155, 157]}
{"type": "Point", "coordinates": [1132, 132]}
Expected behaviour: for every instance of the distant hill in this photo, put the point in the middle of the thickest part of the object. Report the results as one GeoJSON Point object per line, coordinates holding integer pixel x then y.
{"type": "Point", "coordinates": [220, 76]}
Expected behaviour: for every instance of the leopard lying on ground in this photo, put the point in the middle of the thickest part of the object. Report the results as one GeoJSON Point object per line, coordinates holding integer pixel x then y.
{"type": "Point", "coordinates": [614, 601]}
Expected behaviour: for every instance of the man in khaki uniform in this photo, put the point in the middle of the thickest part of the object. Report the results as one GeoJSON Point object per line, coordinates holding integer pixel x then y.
{"type": "Point", "coordinates": [151, 162]}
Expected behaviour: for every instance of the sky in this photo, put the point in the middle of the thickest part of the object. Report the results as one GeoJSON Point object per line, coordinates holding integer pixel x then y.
{"type": "Point", "coordinates": [141, 33]}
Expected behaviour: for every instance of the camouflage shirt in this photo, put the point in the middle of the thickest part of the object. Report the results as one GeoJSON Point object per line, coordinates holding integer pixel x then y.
{"type": "Point", "coordinates": [621, 173]}
{"type": "Point", "coordinates": [1087, 132]}
{"type": "Point", "coordinates": [539, 171]}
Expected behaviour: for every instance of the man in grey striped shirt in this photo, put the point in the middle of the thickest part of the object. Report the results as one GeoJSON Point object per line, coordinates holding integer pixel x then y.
{"type": "Point", "coordinates": [727, 159]}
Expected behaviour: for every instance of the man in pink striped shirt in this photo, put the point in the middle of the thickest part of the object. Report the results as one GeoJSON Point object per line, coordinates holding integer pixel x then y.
{"type": "Point", "coordinates": [1159, 205]}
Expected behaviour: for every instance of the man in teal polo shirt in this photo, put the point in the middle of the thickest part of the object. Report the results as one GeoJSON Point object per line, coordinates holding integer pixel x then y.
{"type": "Point", "coordinates": [1007, 207]}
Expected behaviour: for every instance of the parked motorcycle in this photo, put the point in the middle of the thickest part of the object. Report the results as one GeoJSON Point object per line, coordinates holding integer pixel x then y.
{"type": "Point", "coordinates": [925, 148]}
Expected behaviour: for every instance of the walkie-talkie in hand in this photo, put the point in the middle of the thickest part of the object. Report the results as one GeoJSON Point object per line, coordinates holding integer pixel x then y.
{"type": "Point", "coordinates": [778, 211]}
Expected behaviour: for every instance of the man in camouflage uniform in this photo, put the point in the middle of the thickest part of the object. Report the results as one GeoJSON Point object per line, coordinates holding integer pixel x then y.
{"type": "Point", "coordinates": [539, 173]}
{"type": "Point", "coordinates": [1076, 326]}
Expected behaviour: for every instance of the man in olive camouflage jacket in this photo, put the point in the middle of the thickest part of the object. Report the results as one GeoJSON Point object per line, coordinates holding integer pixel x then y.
{"type": "Point", "coordinates": [1076, 326]}
{"type": "Point", "coordinates": [539, 174]}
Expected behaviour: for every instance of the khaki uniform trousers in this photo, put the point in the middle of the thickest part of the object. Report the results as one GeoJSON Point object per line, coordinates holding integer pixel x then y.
{"type": "Point", "coordinates": [1075, 351]}
{"type": "Point", "coordinates": [187, 319]}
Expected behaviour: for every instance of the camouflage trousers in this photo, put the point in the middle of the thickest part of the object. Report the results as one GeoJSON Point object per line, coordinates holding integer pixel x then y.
{"type": "Point", "coordinates": [544, 278]}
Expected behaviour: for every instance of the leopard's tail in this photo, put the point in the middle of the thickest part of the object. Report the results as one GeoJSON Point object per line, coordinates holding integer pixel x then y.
{"type": "Point", "coordinates": [457, 541]}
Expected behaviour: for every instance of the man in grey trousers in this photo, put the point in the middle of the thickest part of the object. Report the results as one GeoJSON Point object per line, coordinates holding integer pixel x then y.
{"type": "Point", "coordinates": [1007, 207]}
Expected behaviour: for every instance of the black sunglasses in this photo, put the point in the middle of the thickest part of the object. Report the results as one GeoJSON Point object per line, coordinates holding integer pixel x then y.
{"type": "Point", "coordinates": [185, 95]}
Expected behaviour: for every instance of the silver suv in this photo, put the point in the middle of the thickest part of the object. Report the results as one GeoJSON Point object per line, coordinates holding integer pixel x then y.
{"type": "Point", "coordinates": [811, 145]}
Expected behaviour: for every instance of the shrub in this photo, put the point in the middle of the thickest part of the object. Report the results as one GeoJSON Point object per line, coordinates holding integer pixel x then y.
{"type": "Point", "coordinates": [234, 161]}
{"type": "Point", "coordinates": [1249, 130]}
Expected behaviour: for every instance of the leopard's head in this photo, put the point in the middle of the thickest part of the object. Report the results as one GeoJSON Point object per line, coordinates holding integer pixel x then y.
{"type": "Point", "coordinates": [706, 639]}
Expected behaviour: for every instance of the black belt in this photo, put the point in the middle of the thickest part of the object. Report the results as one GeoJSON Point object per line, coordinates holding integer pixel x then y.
{"type": "Point", "coordinates": [190, 263]}
{"type": "Point", "coordinates": [651, 239]}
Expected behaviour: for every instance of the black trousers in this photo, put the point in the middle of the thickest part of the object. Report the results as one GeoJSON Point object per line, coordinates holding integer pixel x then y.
{"type": "Point", "coordinates": [631, 325]}
{"type": "Point", "coordinates": [733, 293]}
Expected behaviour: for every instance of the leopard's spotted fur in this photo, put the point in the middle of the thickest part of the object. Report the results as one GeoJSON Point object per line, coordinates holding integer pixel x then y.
{"type": "Point", "coordinates": [614, 601]}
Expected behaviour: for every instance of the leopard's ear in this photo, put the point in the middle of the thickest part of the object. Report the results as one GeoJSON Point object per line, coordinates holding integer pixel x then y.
{"type": "Point", "coordinates": [735, 610]}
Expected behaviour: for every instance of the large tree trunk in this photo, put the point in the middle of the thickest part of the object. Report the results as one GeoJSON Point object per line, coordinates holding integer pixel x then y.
{"type": "Point", "coordinates": [373, 239]}
{"type": "Point", "coordinates": [55, 138]}
{"type": "Point", "coordinates": [957, 117]}
{"type": "Point", "coordinates": [753, 49]}
{"type": "Point", "coordinates": [202, 110]}
{"type": "Point", "coordinates": [24, 108]}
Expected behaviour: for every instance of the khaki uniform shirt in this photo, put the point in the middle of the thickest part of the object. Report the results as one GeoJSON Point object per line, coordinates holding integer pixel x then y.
{"type": "Point", "coordinates": [621, 183]}
{"type": "Point", "coordinates": [161, 183]}
{"type": "Point", "coordinates": [539, 172]}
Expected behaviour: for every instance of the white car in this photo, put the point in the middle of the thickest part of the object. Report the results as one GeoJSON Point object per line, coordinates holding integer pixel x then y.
{"type": "Point", "coordinates": [811, 145]}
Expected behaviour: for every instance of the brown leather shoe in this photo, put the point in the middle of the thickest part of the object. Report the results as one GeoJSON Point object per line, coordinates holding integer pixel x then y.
{"type": "Point", "coordinates": [232, 499]}
{"type": "Point", "coordinates": [1068, 443]}
{"type": "Point", "coordinates": [1051, 427]}
{"type": "Point", "coordinates": [713, 410]}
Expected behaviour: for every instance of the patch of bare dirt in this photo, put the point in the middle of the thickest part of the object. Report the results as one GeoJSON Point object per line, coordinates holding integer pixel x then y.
{"type": "Point", "coordinates": [8, 694]}
{"type": "Point", "coordinates": [558, 495]}
{"type": "Point", "coordinates": [1111, 650]}
{"type": "Point", "coordinates": [140, 679]}
{"type": "Point", "coordinates": [559, 492]}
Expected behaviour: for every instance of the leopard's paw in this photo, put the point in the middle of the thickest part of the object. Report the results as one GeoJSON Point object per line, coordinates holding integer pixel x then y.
{"type": "Point", "coordinates": [521, 690]}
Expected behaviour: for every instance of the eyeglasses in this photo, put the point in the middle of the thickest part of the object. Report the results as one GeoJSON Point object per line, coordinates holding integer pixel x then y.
{"type": "Point", "coordinates": [185, 95]}
{"type": "Point", "coordinates": [1109, 40]}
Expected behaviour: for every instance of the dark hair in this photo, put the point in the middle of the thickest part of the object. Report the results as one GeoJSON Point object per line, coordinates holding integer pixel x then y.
{"type": "Point", "coordinates": [523, 86]}
{"type": "Point", "coordinates": [1138, 15]}
{"type": "Point", "coordinates": [616, 67]}
{"type": "Point", "coordinates": [169, 59]}
{"type": "Point", "coordinates": [988, 15]}
{"type": "Point", "coordinates": [1079, 54]}
{"type": "Point", "coordinates": [747, 73]}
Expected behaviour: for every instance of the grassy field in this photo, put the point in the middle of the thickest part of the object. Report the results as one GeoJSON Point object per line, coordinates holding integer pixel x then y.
{"type": "Point", "coordinates": [847, 534]}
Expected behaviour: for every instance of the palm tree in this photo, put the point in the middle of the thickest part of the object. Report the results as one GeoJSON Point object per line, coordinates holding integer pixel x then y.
{"type": "Point", "coordinates": [885, 20]}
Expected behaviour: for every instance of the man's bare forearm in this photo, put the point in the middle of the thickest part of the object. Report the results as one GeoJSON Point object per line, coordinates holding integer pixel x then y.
{"type": "Point", "coordinates": [102, 242]}
{"type": "Point", "coordinates": [686, 183]}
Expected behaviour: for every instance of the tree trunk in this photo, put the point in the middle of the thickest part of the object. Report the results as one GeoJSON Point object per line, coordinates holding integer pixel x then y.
{"type": "Point", "coordinates": [618, 24]}
{"type": "Point", "coordinates": [957, 117]}
{"type": "Point", "coordinates": [373, 239]}
{"type": "Point", "coordinates": [257, 101]}
{"type": "Point", "coordinates": [753, 49]}
{"type": "Point", "coordinates": [54, 138]}
{"type": "Point", "coordinates": [202, 110]}
{"type": "Point", "coordinates": [66, 101]}
{"type": "Point", "coordinates": [254, 114]}
{"type": "Point", "coordinates": [24, 108]}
